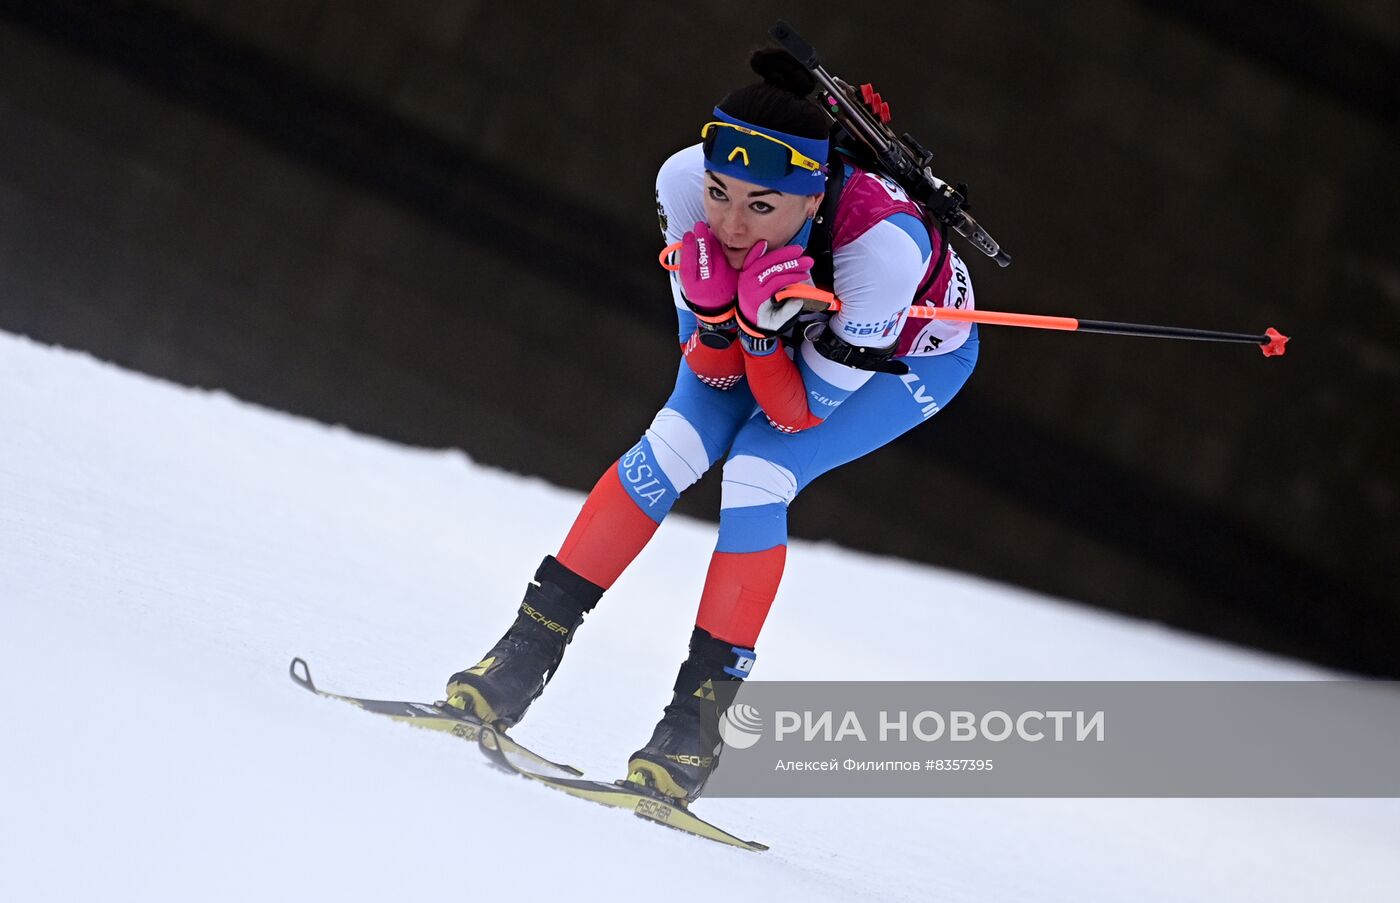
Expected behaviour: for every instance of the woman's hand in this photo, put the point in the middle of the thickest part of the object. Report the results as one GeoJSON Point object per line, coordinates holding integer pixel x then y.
{"type": "Point", "coordinates": [708, 282]}
{"type": "Point", "coordinates": [762, 275]}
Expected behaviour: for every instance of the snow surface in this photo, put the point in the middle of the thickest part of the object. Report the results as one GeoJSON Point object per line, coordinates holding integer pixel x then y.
{"type": "Point", "coordinates": [165, 551]}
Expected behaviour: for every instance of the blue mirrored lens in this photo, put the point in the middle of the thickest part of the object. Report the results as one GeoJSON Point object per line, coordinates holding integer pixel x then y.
{"type": "Point", "coordinates": [763, 158]}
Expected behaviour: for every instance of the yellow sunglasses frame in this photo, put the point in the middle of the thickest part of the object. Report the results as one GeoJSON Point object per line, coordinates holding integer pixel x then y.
{"type": "Point", "coordinates": [797, 158]}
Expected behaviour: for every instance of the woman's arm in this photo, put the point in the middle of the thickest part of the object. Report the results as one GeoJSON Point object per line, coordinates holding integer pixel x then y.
{"type": "Point", "coordinates": [875, 277]}
{"type": "Point", "coordinates": [678, 207]}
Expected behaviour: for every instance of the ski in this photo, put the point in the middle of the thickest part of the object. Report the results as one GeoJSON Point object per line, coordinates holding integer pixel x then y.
{"type": "Point", "coordinates": [640, 801]}
{"type": "Point", "coordinates": [437, 717]}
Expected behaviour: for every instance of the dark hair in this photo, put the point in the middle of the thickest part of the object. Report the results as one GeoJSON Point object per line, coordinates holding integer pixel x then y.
{"type": "Point", "coordinates": [780, 101]}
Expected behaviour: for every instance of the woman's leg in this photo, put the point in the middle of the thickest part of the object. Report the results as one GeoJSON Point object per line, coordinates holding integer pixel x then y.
{"type": "Point", "coordinates": [766, 469]}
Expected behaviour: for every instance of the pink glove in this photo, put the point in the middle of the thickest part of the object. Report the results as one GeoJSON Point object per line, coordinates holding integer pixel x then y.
{"type": "Point", "coordinates": [762, 275]}
{"type": "Point", "coordinates": [708, 282]}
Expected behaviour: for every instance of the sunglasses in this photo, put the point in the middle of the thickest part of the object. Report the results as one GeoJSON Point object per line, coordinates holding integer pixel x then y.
{"type": "Point", "coordinates": [762, 154]}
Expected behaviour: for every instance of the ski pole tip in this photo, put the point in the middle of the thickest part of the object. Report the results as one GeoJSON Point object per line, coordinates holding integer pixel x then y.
{"type": "Point", "coordinates": [1274, 346]}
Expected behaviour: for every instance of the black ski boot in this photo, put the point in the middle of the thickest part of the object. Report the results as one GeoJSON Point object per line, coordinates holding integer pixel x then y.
{"type": "Point", "coordinates": [499, 688]}
{"type": "Point", "coordinates": [684, 749]}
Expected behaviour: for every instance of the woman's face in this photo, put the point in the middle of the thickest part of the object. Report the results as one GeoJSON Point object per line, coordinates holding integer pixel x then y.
{"type": "Point", "coordinates": [742, 213]}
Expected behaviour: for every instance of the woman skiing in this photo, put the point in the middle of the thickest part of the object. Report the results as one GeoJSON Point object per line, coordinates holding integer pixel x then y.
{"type": "Point", "coordinates": [781, 393]}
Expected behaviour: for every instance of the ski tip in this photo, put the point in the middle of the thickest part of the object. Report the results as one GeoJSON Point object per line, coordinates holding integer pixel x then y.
{"type": "Point", "coordinates": [304, 678]}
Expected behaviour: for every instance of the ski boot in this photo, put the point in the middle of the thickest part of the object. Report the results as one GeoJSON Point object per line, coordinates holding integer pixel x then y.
{"type": "Point", "coordinates": [684, 749]}
{"type": "Point", "coordinates": [498, 689]}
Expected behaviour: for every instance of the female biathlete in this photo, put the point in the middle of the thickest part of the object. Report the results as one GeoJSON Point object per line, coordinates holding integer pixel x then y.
{"type": "Point", "coordinates": [782, 393]}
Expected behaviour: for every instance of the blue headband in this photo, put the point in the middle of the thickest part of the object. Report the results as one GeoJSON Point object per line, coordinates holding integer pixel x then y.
{"type": "Point", "coordinates": [798, 181]}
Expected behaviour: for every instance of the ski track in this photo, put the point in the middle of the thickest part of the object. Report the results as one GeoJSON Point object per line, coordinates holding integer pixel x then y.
{"type": "Point", "coordinates": [165, 551]}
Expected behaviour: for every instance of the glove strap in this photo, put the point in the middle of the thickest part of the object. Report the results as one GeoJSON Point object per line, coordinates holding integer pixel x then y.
{"type": "Point", "coordinates": [759, 345]}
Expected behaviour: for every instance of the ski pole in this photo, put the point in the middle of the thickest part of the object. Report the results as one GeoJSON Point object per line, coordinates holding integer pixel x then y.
{"type": "Point", "coordinates": [1271, 342]}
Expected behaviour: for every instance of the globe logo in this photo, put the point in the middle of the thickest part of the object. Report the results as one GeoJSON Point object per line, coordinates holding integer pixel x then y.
{"type": "Point", "coordinates": [740, 726]}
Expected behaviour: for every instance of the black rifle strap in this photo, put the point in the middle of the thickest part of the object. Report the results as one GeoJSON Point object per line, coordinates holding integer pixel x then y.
{"type": "Point", "coordinates": [824, 226]}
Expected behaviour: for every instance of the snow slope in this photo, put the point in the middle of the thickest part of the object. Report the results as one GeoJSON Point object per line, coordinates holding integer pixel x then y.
{"type": "Point", "coordinates": [165, 551]}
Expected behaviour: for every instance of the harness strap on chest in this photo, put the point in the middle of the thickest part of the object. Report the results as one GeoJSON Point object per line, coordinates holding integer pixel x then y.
{"type": "Point", "coordinates": [824, 227]}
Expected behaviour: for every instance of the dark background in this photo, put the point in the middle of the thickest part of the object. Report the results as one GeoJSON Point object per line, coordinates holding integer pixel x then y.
{"type": "Point", "coordinates": [433, 221]}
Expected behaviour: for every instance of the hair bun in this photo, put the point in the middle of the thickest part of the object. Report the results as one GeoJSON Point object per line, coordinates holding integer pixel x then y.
{"type": "Point", "coordinates": [779, 69]}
